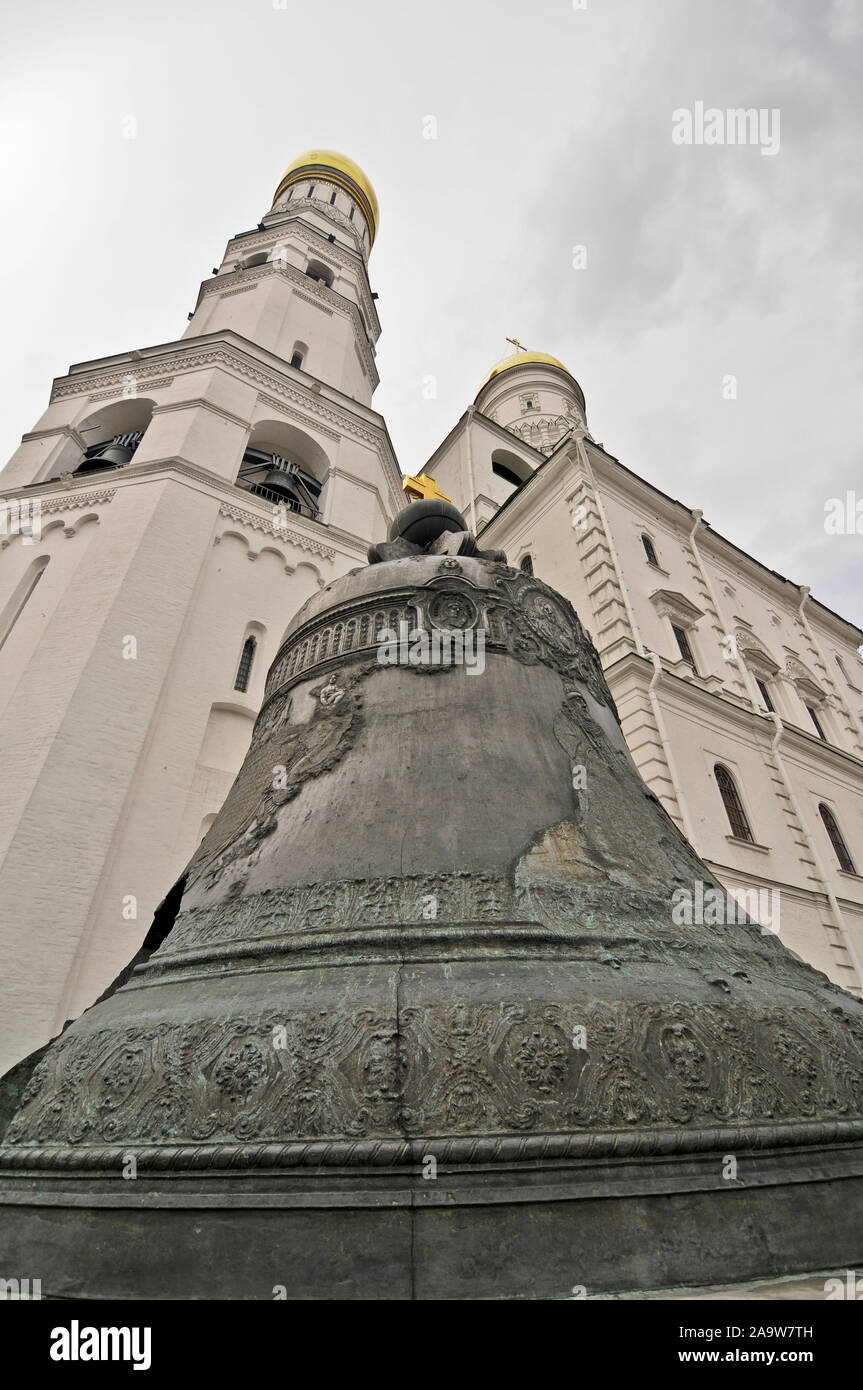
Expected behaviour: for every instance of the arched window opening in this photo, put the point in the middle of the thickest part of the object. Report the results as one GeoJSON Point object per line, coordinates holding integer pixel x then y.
{"type": "Point", "coordinates": [526, 564]}
{"type": "Point", "coordinates": [256, 258]}
{"type": "Point", "coordinates": [20, 596]}
{"type": "Point", "coordinates": [244, 670]}
{"type": "Point", "coordinates": [649, 550]}
{"type": "Point", "coordinates": [510, 468]}
{"type": "Point", "coordinates": [113, 434]}
{"type": "Point", "coordinates": [113, 453]}
{"type": "Point", "coordinates": [682, 640]}
{"type": "Point", "coordinates": [733, 805]}
{"type": "Point", "coordinates": [298, 355]}
{"type": "Point", "coordinates": [836, 840]}
{"type": "Point", "coordinates": [316, 270]}
{"type": "Point", "coordinates": [280, 481]}
{"type": "Point", "coordinates": [765, 695]}
{"type": "Point", "coordinates": [500, 470]}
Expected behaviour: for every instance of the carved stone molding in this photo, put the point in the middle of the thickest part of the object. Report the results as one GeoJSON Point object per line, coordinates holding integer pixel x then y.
{"type": "Point", "coordinates": [671, 604]}
{"type": "Point", "coordinates": [259, 523]}
{"type": "Point", "coordinates": [141, 388]}
{"type": "Point", "coordinates": [297, 415]}
{"type": "Point", "coordinates": [54, 503]}
{"type": "Point", "coordinates": [242, 289]}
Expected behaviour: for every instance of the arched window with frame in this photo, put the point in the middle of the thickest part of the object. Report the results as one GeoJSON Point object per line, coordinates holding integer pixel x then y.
{"type": "Point", "coordinates": [316, 270]}
{"type": "Point", "coordinates": [649, 550]}
{"type": "Point", "coordinates": [733, 805]}
{"type": "Point", "coordinates": [244, 669]}
{"type": "Point", "coordinates": [526, 564]}
{"type": "Point", "coordinates": [836, 840]}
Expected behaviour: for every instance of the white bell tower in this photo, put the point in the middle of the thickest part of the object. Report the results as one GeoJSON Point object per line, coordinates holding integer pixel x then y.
{"type": "Point", "coordinates": [169, 513]}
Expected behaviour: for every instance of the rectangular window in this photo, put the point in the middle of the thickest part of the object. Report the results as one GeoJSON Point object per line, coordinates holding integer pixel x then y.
{"type": "Point", "coordinates": [816, 721]}
{"type": "Point", "coordinates": [683, 643]}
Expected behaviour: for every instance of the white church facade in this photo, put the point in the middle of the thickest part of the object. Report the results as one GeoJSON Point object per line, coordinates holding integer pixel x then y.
{"type": "Point", "coordinates": [175, 506]}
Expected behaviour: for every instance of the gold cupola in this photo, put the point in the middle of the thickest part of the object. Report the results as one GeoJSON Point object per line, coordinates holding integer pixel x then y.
{"type": "Point", "coordinates": [521, 359]}
{"type": "Point", "coordinates": [338, 169]}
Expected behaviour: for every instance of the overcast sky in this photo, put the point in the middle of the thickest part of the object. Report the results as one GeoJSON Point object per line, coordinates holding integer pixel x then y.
{"type": "Point", "coordinates": [554, 130]}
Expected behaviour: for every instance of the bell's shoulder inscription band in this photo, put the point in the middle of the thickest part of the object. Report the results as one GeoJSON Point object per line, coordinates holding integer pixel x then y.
{"type": "Point", "coordinates": [519, 615]}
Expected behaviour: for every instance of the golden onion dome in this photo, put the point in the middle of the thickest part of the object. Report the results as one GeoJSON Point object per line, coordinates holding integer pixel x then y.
{"type": "Point", "coordinates": [520, 359]}
{"type": "Point", "coordinates": [338, 169]}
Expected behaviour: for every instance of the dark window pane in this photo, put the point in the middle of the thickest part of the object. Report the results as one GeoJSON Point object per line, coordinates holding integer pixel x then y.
{"type": "Point", "coordinates": [244, 670]}
{"type": "Point", "coordinates": [683, 643]}
{"type": "Point", "coordinates": [839, 845]}
{"type": "Point", "coordinates": [649, 550]}
{"type": "Point", "coordinates": [732, 803]}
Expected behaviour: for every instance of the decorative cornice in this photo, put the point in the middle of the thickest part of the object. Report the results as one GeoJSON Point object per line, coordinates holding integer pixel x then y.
{"type": "Point", "coordinates": [152, 385]}
{"type": "Point", "coordinates": [675, 605]}
{"type": "Point", "coordinates": [242, 289]}
{"type": "Point", "coordinates": [264, 399]}
{"type": "Point", "coordinates": [65, 501]}
{"type": "Point", "coordinates": [200, 403]}
{"type": "Point", "coordinates": [259, 523]}
{"type": "Point", "coordinates": [79, 499]}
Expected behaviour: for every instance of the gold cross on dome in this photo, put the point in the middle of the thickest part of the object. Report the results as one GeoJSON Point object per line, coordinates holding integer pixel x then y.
{"type": "Point", "coordinates": [423, 487]}
{"type": "Point", "coordinates": [519, 347]}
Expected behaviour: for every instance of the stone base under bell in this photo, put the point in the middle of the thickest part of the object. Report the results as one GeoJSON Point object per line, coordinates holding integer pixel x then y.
{"type": "Point", "coordinates": [547, 1230]}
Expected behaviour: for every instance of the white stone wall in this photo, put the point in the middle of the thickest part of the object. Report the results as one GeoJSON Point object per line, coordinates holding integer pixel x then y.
{"type": "Point", "coordinates": [582, 518]}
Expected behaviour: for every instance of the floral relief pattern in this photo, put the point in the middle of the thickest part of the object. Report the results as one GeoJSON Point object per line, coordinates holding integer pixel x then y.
{"type": "Point", "coordinates": [461, 1069]}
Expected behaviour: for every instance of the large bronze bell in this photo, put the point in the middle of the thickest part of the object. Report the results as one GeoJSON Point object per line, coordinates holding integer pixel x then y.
{"type": "Point", "coordinates": [428, 1023]}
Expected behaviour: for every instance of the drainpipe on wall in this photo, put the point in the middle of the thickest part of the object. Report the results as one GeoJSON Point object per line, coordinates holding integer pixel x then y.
{"type": "Point", "coordinates": [813, 849]}
{"type": "Point", "coordinates": [470, 477]}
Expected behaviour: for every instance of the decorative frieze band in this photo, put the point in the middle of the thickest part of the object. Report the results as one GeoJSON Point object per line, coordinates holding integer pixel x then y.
{"type": "Point", "coordinates": [141, 387]}
{"type": "Point", "coordinates": [64, 502]}
{"type": "Point", "coordinates": [260, 523]}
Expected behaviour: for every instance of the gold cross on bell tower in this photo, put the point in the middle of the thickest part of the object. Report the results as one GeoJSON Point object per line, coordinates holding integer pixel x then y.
{"type": "Point", "coordinates": [519, 347]}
